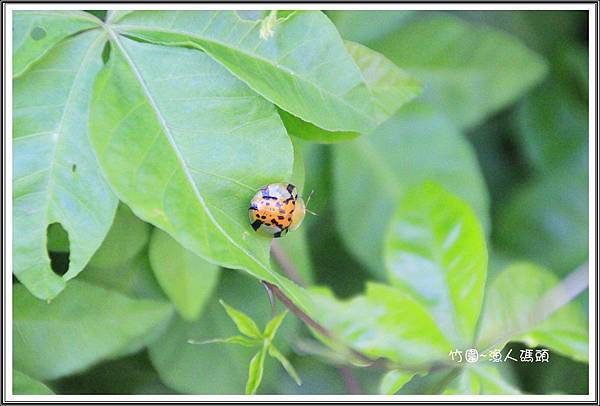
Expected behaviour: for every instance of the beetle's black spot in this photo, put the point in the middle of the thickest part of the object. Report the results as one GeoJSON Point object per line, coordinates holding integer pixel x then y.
{"type": "Point", "coordinates": [256, 225]}
{"type": "Point", "coordinates": [263, 217]}
{"type": "Point", "coordinates": [38, 33]}
{"type": "Point", "coordinates": [280, 217]}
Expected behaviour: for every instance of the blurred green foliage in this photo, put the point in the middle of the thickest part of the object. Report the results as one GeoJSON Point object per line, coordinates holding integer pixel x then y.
{"type": "Point", "coordinates": [439, 223]}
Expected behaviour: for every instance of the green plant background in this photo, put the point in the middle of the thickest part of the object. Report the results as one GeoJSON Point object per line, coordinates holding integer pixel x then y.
{"type": "Point", "coordinates": [448, 157]}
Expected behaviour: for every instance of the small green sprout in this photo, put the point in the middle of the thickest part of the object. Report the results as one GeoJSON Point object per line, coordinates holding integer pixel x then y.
{"type": "Point", "coordinates": [253, 337]}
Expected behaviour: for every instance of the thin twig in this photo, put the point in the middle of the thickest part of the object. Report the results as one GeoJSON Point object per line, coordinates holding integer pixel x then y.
{"type": "Point", "coordinates": [271, 300]}
{"type": "Point", "coordinates": [309, 321]}
{"type": "Point", "coordinates": [382, 363]}
{"type": "Point", "coordinates": [286, 264]}
{"type": "Point", "coordinates": [290, 270]}
{"type": "Point", "coordinates": [350, 381]}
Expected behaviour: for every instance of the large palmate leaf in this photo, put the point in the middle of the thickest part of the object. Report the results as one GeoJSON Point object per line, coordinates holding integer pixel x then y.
{"type": "Point", "coordinates": [187, 279]}
{"type": "Point", "coordinates": [36, 32]}
{"type": "Point", "coordinates": [83, 325]}
{"type": "Point", "coordinates": [463, 66]}
{"type": "Point", "coordinates": [302, 67]}
{"type": "Point", "coordinates": [372, 173]}
{"type": "Point", "coordinates": [390, 88]}
{"type": "Point", "coordinates": [56, 177]}
{"type": "Point", "coordinates": [186, 145]}
{"type": "Point", "coordinates": [514, 310]}
{"type": "Point", "coordinates": [435, 250]}
{"type": "Point", "coordinates": [384, 322]}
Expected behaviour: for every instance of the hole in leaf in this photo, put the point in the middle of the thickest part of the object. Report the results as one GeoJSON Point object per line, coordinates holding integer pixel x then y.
{"type": "Point", "coordinates": [57, 245]}
{"type": "Point", "coordinates": [38, 33]}
{"type": "Point", "coordinates": [106, 52]}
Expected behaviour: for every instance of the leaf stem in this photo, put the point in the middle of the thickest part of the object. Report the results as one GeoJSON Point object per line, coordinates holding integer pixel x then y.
{"type": "Point", "coordinates": [286, 264]}
{"type": "Point", "coordinates": [350, 381]}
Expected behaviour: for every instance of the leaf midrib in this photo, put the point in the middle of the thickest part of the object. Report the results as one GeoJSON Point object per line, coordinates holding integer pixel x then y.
{"type": "Point", "coordinates": [114, 36]}
{"type": "Point", "coordinates": [280, 68]}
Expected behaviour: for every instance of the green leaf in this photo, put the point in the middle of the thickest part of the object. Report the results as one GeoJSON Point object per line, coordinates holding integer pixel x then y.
{"type": "Point", "coordinates": [574, 59]}
{"type": "Point", "coordinates": [373, 172]}
{"type": "Point", "coordinates": [35, 33]}
{"type": "Point", "coordinates": [318, 177]}
{"type": "Point", "coordinates": [244, 323]}
{"type": "Point", "coordinates": [435, 249]}
{"type": "Point", "coordinates": [126, 238]}
{"type": "Point", "coordinates": [200, 369]}
{"type": "Point", "coordinates": [319, 379]}
{"type": "Point", "coordinates": [552, 127]}
{"type": "Point", "coordinates": [82, 326]}
{"type": "Point", "coordinates": [297, 178]}
{"type": "Point", "coordinates": [367, 26]}
{"type": "Point", "coordinates": [303, 67]}
{"type": "Point", "coordinates": [187, 279]}
{"type": "Point", "coordinates": [133, 278]}
{"type": "Point", "coordinates": [480, 379]}
{"type": "Point", "coordinates": [542, 30]}
{"type": "Point", "coordinates": [295, 247]}
{"type": "Point", "coordinates": [192, 175]}
{"type": "Point", "coordinates": [511, 313]}
{"type": "Point", "coordinates": [132, 375]}
{"type": "Point", "coordinates": [238, 340]}
{"type": "Point", "coordinates": [389, 87]}
{"type": "Point", "coordinates": [274, 352]}
{"type": "Point", "coordinates": [55, 176]}
{"type": "Point", "coordinates": [217, 369]}
{"type": "Point", "coordinates": [273, 325]}
{"type": "Point", "coordinates": [25, 385]}
{"type": "Point", "coordinates": [255, 371]}
{"type": "Point", "coordinates": [384, 322]}
{"type": "Point", "coordinates": [394, 380]}
{"type": "Point", "coordinates": [546, 220]}
{"type": "Point", "coordinates": [462, 65]}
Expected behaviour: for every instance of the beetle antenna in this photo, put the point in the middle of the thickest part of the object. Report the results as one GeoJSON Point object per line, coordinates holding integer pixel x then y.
{"type": "Point", "coordinates": [309, 196]}
{"type": "Point", "coordinates": [306, 204]}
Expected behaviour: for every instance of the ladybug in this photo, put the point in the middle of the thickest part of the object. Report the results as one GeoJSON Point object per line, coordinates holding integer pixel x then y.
{"type": "Point", "coordinates": [276, 208]}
